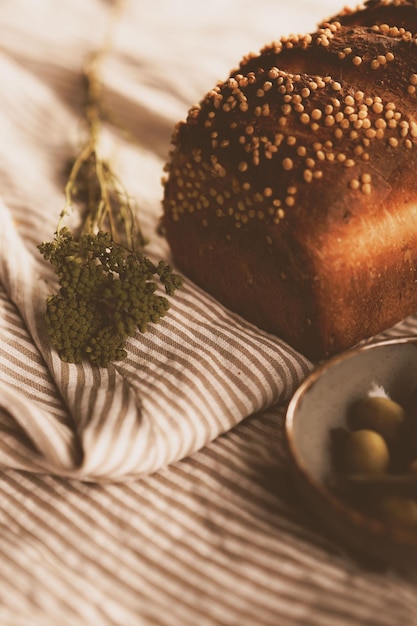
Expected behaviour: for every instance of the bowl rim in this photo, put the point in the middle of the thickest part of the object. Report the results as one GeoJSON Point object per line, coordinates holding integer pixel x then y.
{"type": "Point", "coordinates": [398, 536]}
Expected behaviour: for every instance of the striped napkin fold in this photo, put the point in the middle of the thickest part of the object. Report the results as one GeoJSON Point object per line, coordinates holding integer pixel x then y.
{"type": "Point", "coordinates": [187, 380]}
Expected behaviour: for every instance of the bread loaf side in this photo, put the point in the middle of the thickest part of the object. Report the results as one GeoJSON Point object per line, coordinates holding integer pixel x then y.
{"type": "Point", "coordinates": [291, 189]}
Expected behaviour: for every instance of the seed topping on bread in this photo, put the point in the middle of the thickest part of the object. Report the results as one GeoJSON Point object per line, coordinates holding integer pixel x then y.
{"type": "Point", "coordinates": [305, 110]}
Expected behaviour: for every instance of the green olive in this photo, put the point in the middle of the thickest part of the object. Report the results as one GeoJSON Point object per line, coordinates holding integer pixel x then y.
{"type": "Point", "coordinates": [399, 511]}
{"type": "Point", "coordinates": [366, 452]}
{"type": "Point", "coordinates": [380, 414]}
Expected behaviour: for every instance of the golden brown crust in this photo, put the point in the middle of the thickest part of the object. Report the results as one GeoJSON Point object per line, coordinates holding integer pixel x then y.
{"type": "Point", "coordinates": [291, 186]}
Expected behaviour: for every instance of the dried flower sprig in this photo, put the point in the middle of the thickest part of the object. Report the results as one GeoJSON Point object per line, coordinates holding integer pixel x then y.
{"type": "Point", "coordinates": [107, 286]}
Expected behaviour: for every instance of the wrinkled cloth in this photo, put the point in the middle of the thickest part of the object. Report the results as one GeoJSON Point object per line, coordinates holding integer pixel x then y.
{"type": "Point", "coordinates": [190, 378]}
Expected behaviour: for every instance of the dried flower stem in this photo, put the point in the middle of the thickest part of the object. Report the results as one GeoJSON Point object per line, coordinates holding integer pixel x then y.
{"type": "Point", "coordinates": [108, 289]}
{"type": "Point", "coordinates": [91, 181]}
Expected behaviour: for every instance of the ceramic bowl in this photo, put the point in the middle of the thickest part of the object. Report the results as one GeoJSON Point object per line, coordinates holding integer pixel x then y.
{"type": "Point", "coordinates": [320, 405]}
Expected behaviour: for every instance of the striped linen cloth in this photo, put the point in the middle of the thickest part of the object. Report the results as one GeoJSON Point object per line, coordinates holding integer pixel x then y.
{"type": "Point", "coordinates": [191, 378]}
{"type": "Point", "coordinates": [155, 491]}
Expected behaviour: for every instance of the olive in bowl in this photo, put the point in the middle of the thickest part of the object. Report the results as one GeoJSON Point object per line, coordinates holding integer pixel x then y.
{"type": "Point", "coordinates": [349, 462]}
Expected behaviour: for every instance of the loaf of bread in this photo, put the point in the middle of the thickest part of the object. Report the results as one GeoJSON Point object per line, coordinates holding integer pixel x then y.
{"type": "Point", "coordinates": [291, 189]}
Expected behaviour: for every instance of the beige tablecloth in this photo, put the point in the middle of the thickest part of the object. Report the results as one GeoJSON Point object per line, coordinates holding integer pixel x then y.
{"type": "Point", "coordinates": [155, 491]}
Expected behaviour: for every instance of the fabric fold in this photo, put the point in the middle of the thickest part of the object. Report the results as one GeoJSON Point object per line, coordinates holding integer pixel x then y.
{"type": "Point", "coordinates": [187, 380]}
